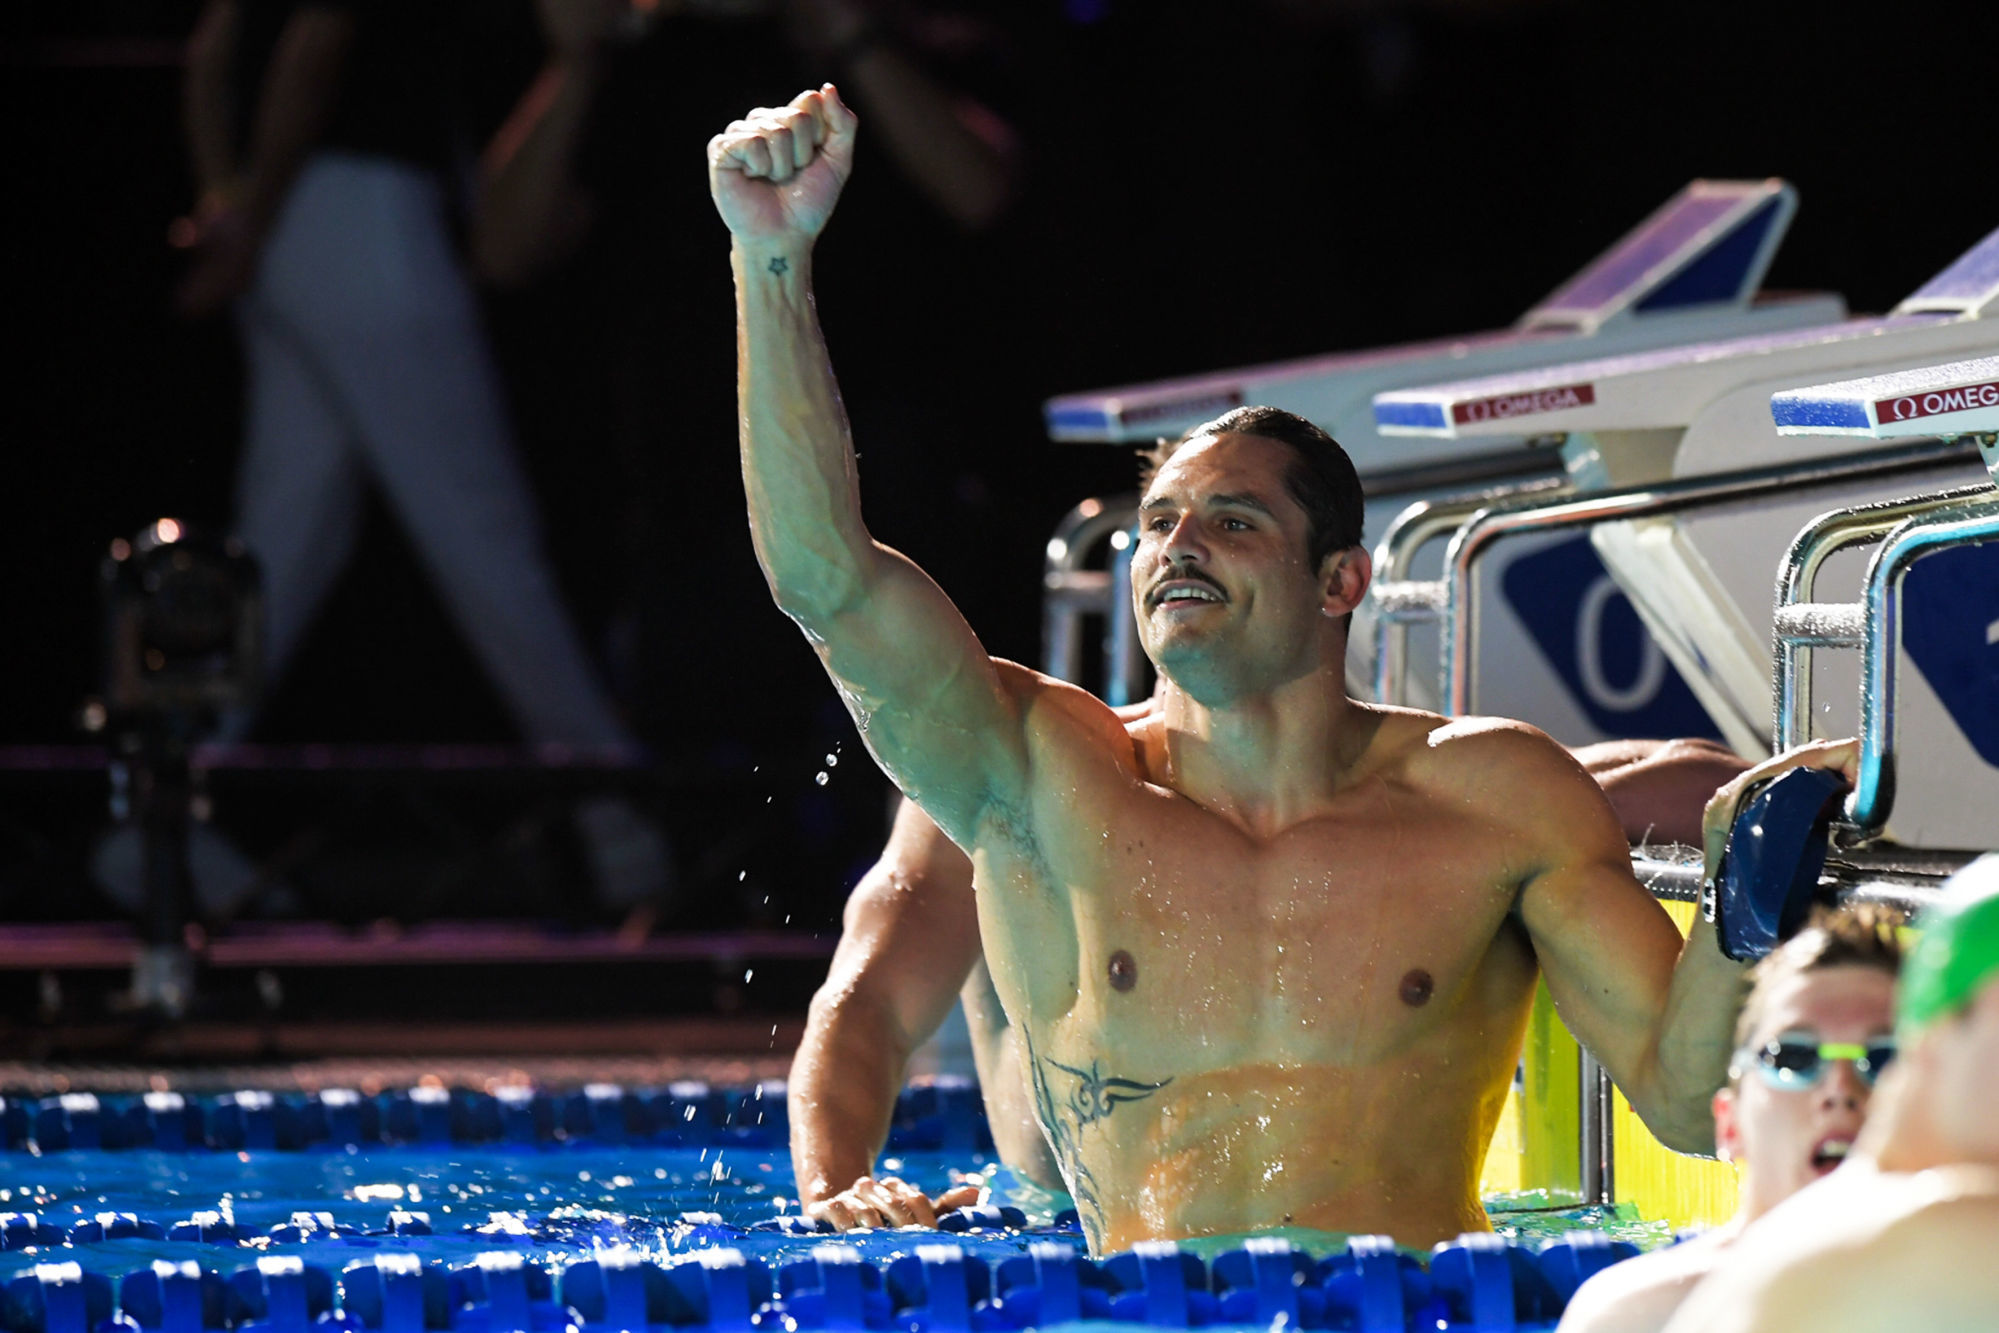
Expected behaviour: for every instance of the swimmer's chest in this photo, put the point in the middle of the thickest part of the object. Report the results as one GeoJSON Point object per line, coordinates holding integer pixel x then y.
{"type": "Point", "coordinates": [1339, 939]}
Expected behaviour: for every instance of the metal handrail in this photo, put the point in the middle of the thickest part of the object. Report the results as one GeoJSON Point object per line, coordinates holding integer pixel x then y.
{"type": "Point", "coordinates": [1400, 602]}
{"type": "Point", "coordinates": [1488, 526]}
{"type": "Point", "coordinates": [1070, 591]}
{"type": "Point", "coordinates": [1795, 631]}
{"type": "Point", "coordinates": [1873, 793]}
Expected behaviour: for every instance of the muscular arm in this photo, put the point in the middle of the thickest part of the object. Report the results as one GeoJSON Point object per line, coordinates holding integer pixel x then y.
{"type": "Point", "coordinates": [1658, 1011]}
{"type": "Point", "coordinates": [1658, 788]}
{"type": "Point", "coordinates": [911, 935]}
{"type": "Point", "coordinates": [938, 713]}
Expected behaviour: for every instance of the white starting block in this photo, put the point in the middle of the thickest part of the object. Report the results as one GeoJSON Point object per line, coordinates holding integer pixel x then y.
{"type": "Point", "coordinates": [1961, 398]}
{"type": "Point", "coordinates": [1700, 579]}
{"type": "Point", "coordinates": [1927, 622]}
{"type": "Point", "coordinates": [1690, 271]}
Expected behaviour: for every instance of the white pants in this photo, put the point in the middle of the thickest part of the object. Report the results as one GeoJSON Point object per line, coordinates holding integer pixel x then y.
{"type": "Point", "coordinates": [366, 360]}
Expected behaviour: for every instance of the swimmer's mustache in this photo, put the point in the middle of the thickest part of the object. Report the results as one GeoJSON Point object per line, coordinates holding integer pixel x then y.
{"type": "Point", "coordinates": [1187, 575]}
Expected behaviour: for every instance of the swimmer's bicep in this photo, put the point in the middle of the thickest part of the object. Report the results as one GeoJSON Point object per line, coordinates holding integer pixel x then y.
{"type": "Point", "coordinates": [1606, 950]}
{"type": "Point", "coordinates": [910, 936]}
{"type": "Point", "coordinates": [939, 714]}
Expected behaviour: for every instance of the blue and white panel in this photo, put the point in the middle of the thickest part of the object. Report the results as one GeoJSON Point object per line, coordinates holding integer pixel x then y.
{"type": "Point", "coordinates": [1661, 387]}
{"type": "Point", "coordinates": [1961, 398]}
{"type": "Point", "coordinates": [1709, 244]}
{"type": "Point", "coordinates": [1969, 286]}
{"type": "Point", "coordinates": [1691, 270]}
{"type": "Point", "coordinates": [1549, 614]}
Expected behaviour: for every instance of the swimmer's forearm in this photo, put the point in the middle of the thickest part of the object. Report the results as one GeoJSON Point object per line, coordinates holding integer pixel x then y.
{"type": "Point", "coordinates": [798, 458]}
{"type": "Point", "coordinates": [1695, 1037]}
{"type": "Point", "coordinates": [843, 1088]}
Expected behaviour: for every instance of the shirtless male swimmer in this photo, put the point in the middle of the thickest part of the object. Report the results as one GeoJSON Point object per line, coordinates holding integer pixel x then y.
{"type": "Point", "coordinates": [909, 948]}
{"type": "Point", "coordinates": [1290, 989]}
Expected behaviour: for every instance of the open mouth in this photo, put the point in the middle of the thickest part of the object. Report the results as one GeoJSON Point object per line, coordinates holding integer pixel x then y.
{"type": "Point", "coordinates": [1830, 1153]}
{"type": "Point", "coordinates": [1186, 591]}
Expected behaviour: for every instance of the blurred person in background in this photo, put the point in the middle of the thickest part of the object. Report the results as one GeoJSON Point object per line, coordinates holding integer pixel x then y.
{"type": "Point", "coordinates": [612, 318]}
{"type": "Point", "coordinates": [1814, 1036]}
{"type": "Point", "coordinates": [319, 132]}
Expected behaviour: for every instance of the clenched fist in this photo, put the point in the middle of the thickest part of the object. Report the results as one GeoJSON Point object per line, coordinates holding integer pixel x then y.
{"type": "Point", "coordinates": [776, 173]}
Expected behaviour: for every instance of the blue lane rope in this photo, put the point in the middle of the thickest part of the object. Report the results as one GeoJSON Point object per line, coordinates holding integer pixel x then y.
{"type": "Point", "coordinates": [1477, 1284]}
{"type": "Point", "coordinates": [947, 1116]}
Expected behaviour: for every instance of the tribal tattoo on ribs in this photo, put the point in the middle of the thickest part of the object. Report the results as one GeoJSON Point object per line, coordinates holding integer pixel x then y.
{"type": "Point", "coordinates": [1090, 1096]}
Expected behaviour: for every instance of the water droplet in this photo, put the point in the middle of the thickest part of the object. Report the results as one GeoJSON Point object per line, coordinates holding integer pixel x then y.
{"type": "Point", "coordinates": [742, 875]}
{"type": "Point", "coordinates": [820, 777]}
{"type": "Point", "coordinates": [749, 972]}
{"type": "Point", "coordinates": [832, 761]}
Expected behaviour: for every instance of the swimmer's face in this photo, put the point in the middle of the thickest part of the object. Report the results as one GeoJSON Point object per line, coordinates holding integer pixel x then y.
{"type": "Point", "coordinates": [1788, 1137]}
{"type": "Point", "coordinates": [1220, 580]}
{"type": "Point", "coordinates": [1960, 1059]}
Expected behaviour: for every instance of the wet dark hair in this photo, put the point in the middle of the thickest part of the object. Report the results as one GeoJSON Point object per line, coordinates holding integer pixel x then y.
{"type": "Point", "coordinates": [1321, 477]}
{"type": "Point", "coordinates": [1863, 936]}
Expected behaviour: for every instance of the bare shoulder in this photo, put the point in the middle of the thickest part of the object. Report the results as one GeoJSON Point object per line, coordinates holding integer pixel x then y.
{"type": "Point", "coordinates": [1640, 1295]}
{"type": "Point", "coordinates": [1499, 741]}
{"type": "Point", "coordinates": [1948, 1233]}
{"type": "Point", "coordinates": [1484, 758]}
{"type": "Point", "coordinates": [1927, 1268]}
{"type": "Point", "coordinates": [1060, 716]}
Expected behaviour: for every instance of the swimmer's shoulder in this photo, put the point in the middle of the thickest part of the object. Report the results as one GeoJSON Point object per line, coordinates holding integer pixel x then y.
{"type": "Point", "coordinates": [1058, 713]}
{"type": "Point", "coordinates": [1946, 1211]}
{"type": "Point", "coordinates": [1825, 1254]}
{"type": "Point", "coordinates": [1928, 1267]}
{"type": "Point", "coordinates": [1482, 766]}
{"type": "Point", "coordinates": [1455, 750]}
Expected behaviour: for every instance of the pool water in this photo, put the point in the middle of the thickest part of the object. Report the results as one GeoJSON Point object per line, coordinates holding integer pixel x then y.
{"type": "Point", "coordinates": [554, 1203]}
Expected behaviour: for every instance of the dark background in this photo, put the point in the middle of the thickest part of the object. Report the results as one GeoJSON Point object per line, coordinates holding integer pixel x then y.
{"type": "Point", "coordinates": [1206, 185]}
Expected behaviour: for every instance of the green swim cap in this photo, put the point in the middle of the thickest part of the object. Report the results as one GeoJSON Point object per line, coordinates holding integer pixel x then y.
{"type": "Point", "coordinates": [1958, 951]}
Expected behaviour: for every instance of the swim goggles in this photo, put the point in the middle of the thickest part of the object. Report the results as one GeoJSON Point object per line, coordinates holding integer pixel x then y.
{"type": "Point", "coordinates": [1798, 1060]}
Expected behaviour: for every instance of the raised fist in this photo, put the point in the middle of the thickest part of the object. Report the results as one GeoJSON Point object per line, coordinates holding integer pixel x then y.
{"type": "Point", "coordinates": [776, 173]}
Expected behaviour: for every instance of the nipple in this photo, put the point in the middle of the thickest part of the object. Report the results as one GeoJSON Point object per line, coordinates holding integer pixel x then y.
{"type": "Point", "coordinates": [1123, 972]}
{"type": "Point", "coordinates": [1416, 988]}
